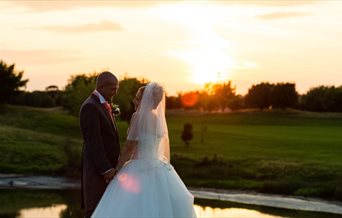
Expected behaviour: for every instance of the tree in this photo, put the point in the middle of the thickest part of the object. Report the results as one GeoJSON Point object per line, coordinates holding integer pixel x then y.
{"type": "Point", "coordinates": [338, 99]}
{"type": "Point", "coordinates": [128, 88]}
{"type": "Point", "coordinates": [10, 82]}
{"type": "Point", "coordinates": [52, 91]}
{"type": "Point", "coordinates": [207, 102]}
{"type": "Point", "coordinates": [39, 99]}
{"type": "Point", "coordinates": [284, 95]}
{"type": "Point", "coordinates": [173, 102]}
{"type": "Point", "coordinates": [236, 103]}
{"type": "Point", "coordinates": [223, 93]}
{"type": "Point", "coordinates": [79, 87]}
{"type": "Point", "coordinates": [187, 134]}
{"type": "Point", "coordinates": [323, 99]}
{"type": "Point", "coordinates": [259, 96]}
{"type": "Point", "coordinates": [56, 94]}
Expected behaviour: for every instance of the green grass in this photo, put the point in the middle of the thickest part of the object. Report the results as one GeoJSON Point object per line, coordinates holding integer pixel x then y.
{"type": "Point", "coordinates": [36, 141]}
{"type": "Point", "coordinates": [293, 137]}
{"type": "Point", "coordinates": [286, 152]}
{"type": "Point", "coordinates": [52, 121]}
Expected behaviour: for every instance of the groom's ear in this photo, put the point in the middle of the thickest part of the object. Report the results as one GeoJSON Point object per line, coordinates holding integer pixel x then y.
{"type": "Point", "coordinates": [101, 87]}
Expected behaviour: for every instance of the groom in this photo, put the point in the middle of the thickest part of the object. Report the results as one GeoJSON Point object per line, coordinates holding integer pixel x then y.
{"type": "Point", "coordinates": [101, 147]}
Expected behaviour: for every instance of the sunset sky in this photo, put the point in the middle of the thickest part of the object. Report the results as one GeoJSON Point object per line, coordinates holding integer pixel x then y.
{"type": "Point", "coordinates": [181, 44]}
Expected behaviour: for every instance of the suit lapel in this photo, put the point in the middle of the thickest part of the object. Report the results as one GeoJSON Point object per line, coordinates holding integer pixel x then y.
{"type": "Point", "coordinates": [104, 112]}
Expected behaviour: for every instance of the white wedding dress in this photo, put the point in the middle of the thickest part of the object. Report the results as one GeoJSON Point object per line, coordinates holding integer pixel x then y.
{"type": "Point", "coordinates": [147, 185]}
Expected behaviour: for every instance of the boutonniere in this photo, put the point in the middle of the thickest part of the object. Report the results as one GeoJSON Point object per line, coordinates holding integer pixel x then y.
{"type": "Point", "coordinates": [115, 110]}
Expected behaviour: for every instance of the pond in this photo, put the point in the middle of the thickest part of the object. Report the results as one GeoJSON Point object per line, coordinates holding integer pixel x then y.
{"type": "Point", "coordinates": [66, 204]}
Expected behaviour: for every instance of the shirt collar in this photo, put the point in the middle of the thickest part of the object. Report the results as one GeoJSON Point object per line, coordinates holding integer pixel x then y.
{"type": "Point", "coordinates": [102, 99]}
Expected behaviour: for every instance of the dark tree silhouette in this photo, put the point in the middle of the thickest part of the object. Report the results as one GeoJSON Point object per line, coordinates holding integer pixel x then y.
{"type": "Point", "coordinates": [10, 82]}
{"type": "Point", "coordinates": [323, 99]}
{"type": "Point", "coordinates": [173, 102]}
{"type": "Point", "coordinates": [259, 96]}
{"type": "Point", "coordinates": [284, 95]}
{"type": "Point", "coordinates": [79, 87]}
{"type": "Point", "coordinates": [127, 91]}
{"type": "Point", "coordinates": [56, 94]}
{"type": "Point", "coordinates": [236, 102]}
{"type": "Point", "coordinates": [52, 90]}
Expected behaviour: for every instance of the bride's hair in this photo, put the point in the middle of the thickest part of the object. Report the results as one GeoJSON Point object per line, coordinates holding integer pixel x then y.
{"type": "Point", "coordinates": [157, 93]}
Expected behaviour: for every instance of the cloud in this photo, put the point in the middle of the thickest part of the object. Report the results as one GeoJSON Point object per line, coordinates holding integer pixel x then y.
{"type": "Point", "coordinates": [65, 5]}
{"type": "Point", "coordinates": [272, 3]}
{"type": "Point", "coordinates": [42, 6]}
{"type": "Point", "coordinates": [39, 56]}
{"type": "Point", "coordinates": [281, 15]}
{"type": "Point", "coordinates": [90, 27]}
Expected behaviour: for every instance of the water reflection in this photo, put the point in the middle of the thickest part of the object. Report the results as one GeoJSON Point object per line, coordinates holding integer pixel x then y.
{"type": "Point", "coordinates": [51, 212]}
{"type": "Point", "coordinates": [209, 212]}
{"type": "Point", "coordinates": [56, 211]}
{"type": "Point", "coordinates": [66, 204]}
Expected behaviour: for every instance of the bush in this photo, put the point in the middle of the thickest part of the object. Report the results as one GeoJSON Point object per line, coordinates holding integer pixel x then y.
{"type": "Point", "coordinates": [187, 134]}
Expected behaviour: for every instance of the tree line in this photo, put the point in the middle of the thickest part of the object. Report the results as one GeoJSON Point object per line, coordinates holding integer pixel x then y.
{"type": "Point", "coordinates": [221, 96]}
{"type": "Point", "coordinates": [213, 96]}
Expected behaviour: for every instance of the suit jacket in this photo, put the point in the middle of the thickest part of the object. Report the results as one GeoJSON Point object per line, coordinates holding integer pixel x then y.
{"type": "Point", "coordinates": [101, 150]}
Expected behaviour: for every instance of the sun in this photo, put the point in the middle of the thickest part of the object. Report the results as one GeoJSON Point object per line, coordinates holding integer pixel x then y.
{"type": "Point", "coordinates": [208, 65]}
{"type": "Point", "coordinates": [205, 51]}
{"type": "Point", "coordinates": [208, 59]}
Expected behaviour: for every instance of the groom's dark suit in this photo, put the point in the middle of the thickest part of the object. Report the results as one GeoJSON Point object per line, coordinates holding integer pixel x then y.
{"type": "Point", "coordinates": [101, 150]}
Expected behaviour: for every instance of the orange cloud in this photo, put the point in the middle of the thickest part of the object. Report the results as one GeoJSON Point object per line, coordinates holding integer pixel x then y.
{"type": "Point", "coordinates": [280, 15]}
{"type": "Point", "coordinates": [39, 56]}
{"type": "Point", "coordinates": [90, 27]}
{"type": "Point", "coordinates": [270, 3]}
{"type": "Point", "coordinates": [65, 5]}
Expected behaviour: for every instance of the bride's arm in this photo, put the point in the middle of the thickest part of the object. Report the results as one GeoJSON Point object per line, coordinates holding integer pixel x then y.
{"type": "Point", "coordinates": [130, 147]}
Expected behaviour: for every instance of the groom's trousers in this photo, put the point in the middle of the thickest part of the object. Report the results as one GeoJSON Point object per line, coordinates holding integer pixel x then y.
{"type": "Point", "coordinates": [87, 214]}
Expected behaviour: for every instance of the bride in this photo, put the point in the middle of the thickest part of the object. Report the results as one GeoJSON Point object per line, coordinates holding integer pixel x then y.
{"type": "Point", "coordinates": [146, 184]}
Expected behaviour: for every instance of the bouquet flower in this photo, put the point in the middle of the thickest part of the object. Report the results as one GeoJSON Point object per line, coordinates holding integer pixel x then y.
{"type": "Point", "coordinates": [115, 110]}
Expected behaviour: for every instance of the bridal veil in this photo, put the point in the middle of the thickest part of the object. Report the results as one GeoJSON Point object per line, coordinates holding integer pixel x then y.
{"type": "Point", "coordinates": [149, 121]}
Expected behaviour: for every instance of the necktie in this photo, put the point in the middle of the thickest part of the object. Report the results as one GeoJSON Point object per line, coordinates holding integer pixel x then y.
{"type": "Point", "coordinates": [109, 109]}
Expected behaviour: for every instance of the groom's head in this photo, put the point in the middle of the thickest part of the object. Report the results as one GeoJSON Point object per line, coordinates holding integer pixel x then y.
{"type": "Point", "coordinates": [107, 85]}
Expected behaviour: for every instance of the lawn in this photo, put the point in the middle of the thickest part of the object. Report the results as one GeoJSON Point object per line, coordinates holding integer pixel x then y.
{"type": "Point", "coordinates": [286, 152]}
{"type": "Point", "coordinates": [295, 137]}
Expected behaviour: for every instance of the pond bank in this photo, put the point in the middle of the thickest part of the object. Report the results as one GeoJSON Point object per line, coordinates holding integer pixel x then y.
{"type": "Point", "coordinates": [8, 181]}
{"type": "Point", "coordinates": [270, 200]}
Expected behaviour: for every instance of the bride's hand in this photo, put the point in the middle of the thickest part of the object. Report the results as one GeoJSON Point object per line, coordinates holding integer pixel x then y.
{"type": "Point", "coordinates": [110, 175]}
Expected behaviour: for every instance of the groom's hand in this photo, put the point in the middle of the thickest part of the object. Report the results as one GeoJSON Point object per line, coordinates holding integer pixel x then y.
{"type": "Point", "coordinates": [108, 176]}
